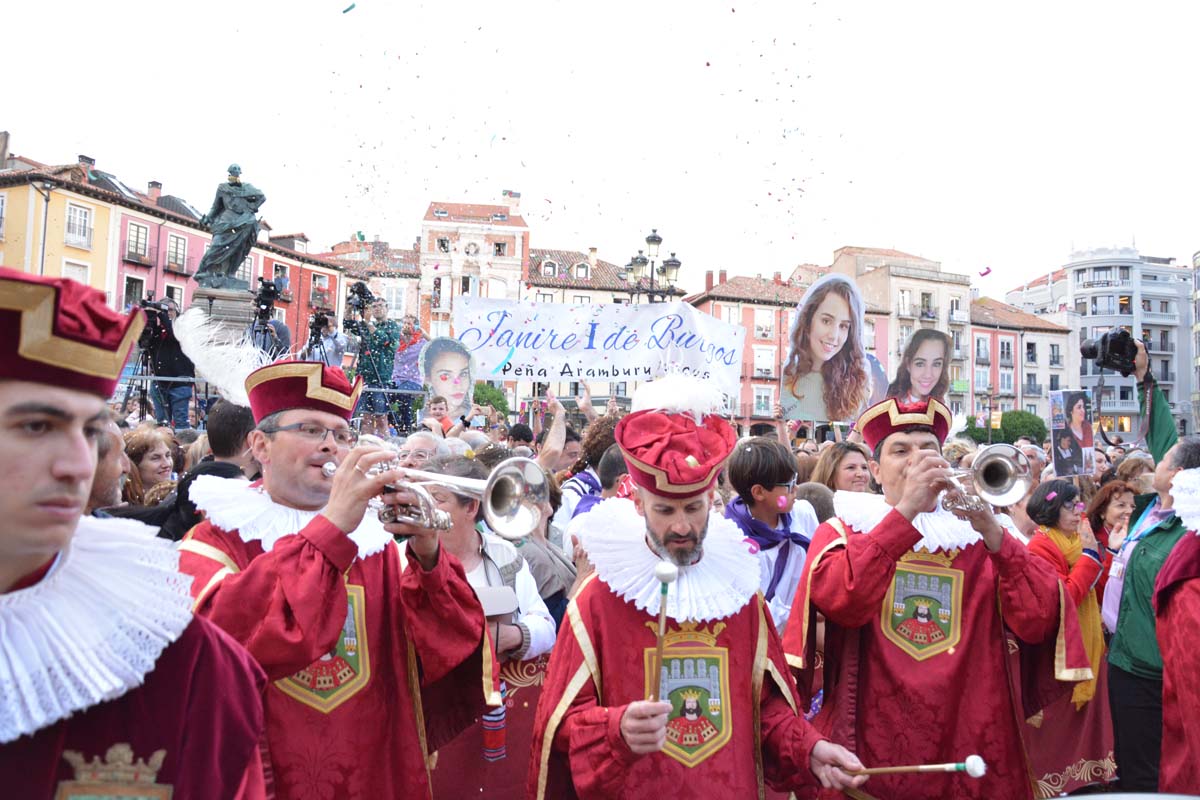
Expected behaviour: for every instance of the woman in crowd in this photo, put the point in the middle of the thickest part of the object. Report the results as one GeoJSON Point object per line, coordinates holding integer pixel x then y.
{"type": "Point", "coordinates": [827, 375]}
{"type": "Point", "coordinates": [149, 451]}
{"type": "Point", "coordinates": [843, 468]}
{"type": "Point", "coordinates": [924, 369]}
{"type": "Point", "coordinates": [1078, 725]}
{"type": "Point", "coordinates": [1109, 513]}
{"type": "Point", "coordinates": [805, 464]}
{"type": "Point", "coordinates": [1132, 467]}
{"type": "Point", "coordinates": [553, 571]}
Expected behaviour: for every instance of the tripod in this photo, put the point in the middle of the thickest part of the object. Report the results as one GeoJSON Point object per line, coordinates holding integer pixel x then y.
{"type": "Point", "coordinates": [371, 375]}
{"type": "Point", "coordinates": [142, 371]}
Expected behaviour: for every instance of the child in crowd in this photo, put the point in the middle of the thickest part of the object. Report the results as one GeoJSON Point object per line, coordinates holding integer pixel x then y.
{"type": "Point", "coordinates": [762, 471]}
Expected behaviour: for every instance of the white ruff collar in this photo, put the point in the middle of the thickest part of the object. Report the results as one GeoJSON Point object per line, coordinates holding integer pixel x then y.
{"type": "Point", "coordinates": [91, 629]}
{"type": "Point", "coordinates": [939, 529]}
{"type": "Point", "coordinates": [1185, 498]}
{"type": "Point", "coordinates": [235, 505]}
{"type": "Point", "coordinates": [720, 585]}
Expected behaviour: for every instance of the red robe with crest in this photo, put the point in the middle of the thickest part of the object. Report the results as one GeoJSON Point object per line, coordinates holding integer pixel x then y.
{"type": "Point", "coordinates": [1177, 609]}
{"type": "Point", "coordinates": [915, 654]}
{"type": "Point", "coordinates": [200, 707]}
{"type": "Point", "coordinates": [355, 649]}
{"type": "Point", "coordinates": [748, 733]}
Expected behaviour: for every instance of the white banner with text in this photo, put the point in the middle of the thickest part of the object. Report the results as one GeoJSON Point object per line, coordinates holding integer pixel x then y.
{"type": "Point", "coordinates": [526, 341]}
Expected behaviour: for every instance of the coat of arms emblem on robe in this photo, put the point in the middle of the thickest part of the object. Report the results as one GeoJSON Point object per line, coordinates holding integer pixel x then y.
{"type": "Point", "coordinates": [118, 777]}
{"type": "Point", "coordinates": [695, 681]}
{"type": "Point", "coordinates": [921, 612]}
{"type": "Point", "coordinates": [339, 674]}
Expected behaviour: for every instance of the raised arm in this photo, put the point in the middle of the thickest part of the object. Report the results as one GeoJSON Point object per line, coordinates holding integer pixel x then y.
{"type": "Point", "coordinates": [556, 438]}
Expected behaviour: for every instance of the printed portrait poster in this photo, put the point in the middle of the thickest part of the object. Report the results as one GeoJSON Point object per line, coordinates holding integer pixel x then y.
{"type": "Point", "coordinates": [1071, 433]}
{"type": "Point", "coordinates": [828, 375]}
{"type": "Point", "coordinates": [924, 368]}
{"type": "Point", "coordinates": [447, 370]}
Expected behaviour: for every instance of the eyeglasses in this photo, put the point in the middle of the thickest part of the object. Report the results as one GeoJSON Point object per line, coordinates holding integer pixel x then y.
{"type": "Point", "coordinates": [416, 456]}
{"type": "Point", "coordinates": [342, 437]}
{"type": "Point", "coordinates": [790, 485]}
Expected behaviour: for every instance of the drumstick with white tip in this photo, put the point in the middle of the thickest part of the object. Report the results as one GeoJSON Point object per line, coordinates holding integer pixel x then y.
{"type": "Point", "coordinates": [973, 766]}
{"type": "Point", "coordinates": [666, 572]}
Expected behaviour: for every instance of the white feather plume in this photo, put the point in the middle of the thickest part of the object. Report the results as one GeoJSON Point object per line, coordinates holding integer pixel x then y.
{"type": "Point", "coordinates": [679, 394]}
{"type": "Point", "coordinates": [957, 425]}
{"type": "Point", "coordinates": [223, 358]}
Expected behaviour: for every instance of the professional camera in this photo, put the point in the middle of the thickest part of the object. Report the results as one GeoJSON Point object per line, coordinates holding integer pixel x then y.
{"type": "Point", "coordinates": [360, 297]}
{"type": "Point", "coordinates": [316, 327]}
{"type": "Point", "coordinates": [264, 301]}
{"type": "Point", "coordinates": [153, 332]}
{"type": "Point", "coordinates": [1115, 350]}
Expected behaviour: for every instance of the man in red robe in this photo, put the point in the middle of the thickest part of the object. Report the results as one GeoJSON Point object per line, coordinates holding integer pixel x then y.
{"type": "Point", "coordinates": [1177, 611]}
{"type": "Point", "coordinates": [727, 721]}
{"type": "Point", "coordinates": [109, 687]}
{"type": "Point", "coordinates": [916, 601]}
{"type": "Point", "coordinates": [375, 656]}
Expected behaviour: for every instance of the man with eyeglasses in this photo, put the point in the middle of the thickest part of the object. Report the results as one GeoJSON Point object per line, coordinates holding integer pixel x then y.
{"type": "Point", "coordinates": [353, 633]}
{"type": "Point", "coordinates": [419, 449]}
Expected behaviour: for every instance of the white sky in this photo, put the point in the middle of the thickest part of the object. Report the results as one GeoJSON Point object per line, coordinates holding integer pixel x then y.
{"type": "Point", "coordinates": [753, 136]}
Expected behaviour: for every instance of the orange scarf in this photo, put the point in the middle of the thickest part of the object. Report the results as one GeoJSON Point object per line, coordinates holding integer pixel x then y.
{"type": "Point", "coordinates": [1071, 546]}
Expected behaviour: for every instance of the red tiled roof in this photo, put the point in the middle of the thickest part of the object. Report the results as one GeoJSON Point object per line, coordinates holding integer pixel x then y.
{"type": "Point", "coordinates": [1056, 276]}
{"type": "Point", "coordinates": [470, 212]}
{"type": "Point", "coordinates": [289, 236]}
{"type": "Point", "coordinates": [993, 313]}
{"type": "Point", "coordinates": [764, 291]}
{"type": "Point", "coordinates": [602, 277]}
{"type": "Point", "coordinates": [876, 251]}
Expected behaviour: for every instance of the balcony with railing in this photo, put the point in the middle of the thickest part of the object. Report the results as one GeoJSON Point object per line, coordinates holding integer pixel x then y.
{"type": "Point", "coordinates": [1006, 391]}
{"type": "Point", "coordinates": [1056, 361]}
{"type": "Point", "coordinates": [320, 298]}
{"type": "Point", "coordinates": [764, 331]}
{"type": "Point", "coordinates": [983, 357]}
{"type": "Point", "coordinates": [1160, 317]}
{"type": "Point", "coordinates": [144, 256]}
{"type": "Point", "coordinates": [1110, 405]}
{"type": "Point", "coordinates": [1030, 358]}
{"type": "Point", "coordinates": [1165, 376]}
{"type": "Point", "coordinates": [1159, 346]}
{"type": "Point", "coordinates": [763, 373]}
{"type": "Point", "coordinates": [180, 264]}
{"type": "Point", "coordinates": [1006, 360]}
{"type": "Point", "coordinates": [959, 316]}
{"type": "Point", "coordinates": [906, 310]}
{"type": "Point", "coordinates": [958, 354]}
{"type": "Point", "coordinates": [928, 313]}
{"type": "Point", "coordinates": [960, 386]}
{"type": "Point", "coordinates": [79, 236]}
{"type": "Point", "coordinates": [1031, 389]}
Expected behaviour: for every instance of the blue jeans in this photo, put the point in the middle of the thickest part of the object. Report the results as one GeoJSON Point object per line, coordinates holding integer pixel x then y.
{"type": "Point", "coordinates": [171, 403]}
{"type": "Point", "coordinates": [405, 404]}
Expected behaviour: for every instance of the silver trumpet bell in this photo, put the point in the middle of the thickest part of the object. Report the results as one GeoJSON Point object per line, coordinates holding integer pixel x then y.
{"type": "Point", "coordinates": [1000, 475]}
{"type": "Point", "coordinates": [512, 497]}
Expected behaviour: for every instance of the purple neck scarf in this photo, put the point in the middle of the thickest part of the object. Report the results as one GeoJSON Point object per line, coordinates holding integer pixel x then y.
{"type": "Point", "coordinates": [767, 537]}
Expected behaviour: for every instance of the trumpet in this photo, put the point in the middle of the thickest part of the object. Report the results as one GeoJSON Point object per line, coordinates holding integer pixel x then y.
{"type": "Point", "coordinates": [512, 496]}
{"type": "Point", "coordinates": [1001, 476]}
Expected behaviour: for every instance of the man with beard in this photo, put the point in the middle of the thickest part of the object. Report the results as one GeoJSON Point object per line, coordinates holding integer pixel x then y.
{"type": "Point", "coordinates": [918, 602]}
{"type": "Point", "coordinates": [596, 736]}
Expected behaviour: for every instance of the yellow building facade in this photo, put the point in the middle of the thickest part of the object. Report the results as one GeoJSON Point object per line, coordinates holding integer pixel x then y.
{"type": "Point", "coordinates": [80, 238]}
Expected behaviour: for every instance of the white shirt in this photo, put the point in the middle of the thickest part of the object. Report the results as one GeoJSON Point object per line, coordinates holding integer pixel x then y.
{"type": "Point", "coordinates": [531, 609]}
{"type": "Point", "coordinates": [804, 521]}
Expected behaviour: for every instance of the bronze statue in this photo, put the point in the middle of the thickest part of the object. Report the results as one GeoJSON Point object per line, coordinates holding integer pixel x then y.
{"type": "Point", "coordinates": [234, 228]}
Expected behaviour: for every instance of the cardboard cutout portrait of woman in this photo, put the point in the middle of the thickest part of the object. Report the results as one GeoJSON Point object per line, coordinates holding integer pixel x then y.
{"type": "Point", "coordinates": [924, 369]}
{"type": "Point", "coordinates": [1071, 433]}
{"type": "Point", "coordinates": [448, 370]}
{"type": "Point", "coordinates": [828, 375]}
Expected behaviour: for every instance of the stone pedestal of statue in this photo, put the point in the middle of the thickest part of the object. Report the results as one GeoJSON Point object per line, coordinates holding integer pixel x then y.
{"type": "Point", "coordinates": [232, 310]}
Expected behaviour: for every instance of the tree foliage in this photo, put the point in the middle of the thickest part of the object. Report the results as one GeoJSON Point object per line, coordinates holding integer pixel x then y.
{"type": "Point", "coordinates": [1013, 425]}
{"type": "Point", "coordinates": [488, 395]}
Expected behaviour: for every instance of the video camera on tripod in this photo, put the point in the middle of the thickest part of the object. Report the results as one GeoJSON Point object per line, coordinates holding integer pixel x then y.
{"type": "Point", "coordinates": [155, 311]}
{"type": "Point", "coordinates": [264, 300]}
{"type": "Point", "coordinates": [359, 300]}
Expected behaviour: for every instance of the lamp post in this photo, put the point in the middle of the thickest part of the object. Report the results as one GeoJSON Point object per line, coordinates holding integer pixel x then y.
{"type": "Point", "coordinates": [44, 190]}
{"type": "Point", "coordinates": [645, 264]}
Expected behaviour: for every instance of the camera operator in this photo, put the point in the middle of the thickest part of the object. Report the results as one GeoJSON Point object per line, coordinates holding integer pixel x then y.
{"type": "Point", "coordinates": [325, 342]}
{"type": "Point", "coordinates": [268, 334]}
{"type": "Point", "coordinates": [376, 358]}
{"type": "Point", "coordinates": [167, 361]}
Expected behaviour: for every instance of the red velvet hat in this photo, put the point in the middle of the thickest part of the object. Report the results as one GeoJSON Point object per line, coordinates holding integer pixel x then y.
{"type": "Point", "coordinates": [62, 333]}
{"type": "Point", "coordinates": [671, 455]}
{"type": "Point", "coordinates": [301, 384]}
{"type": "Point", "coordinates": [888, 417]}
